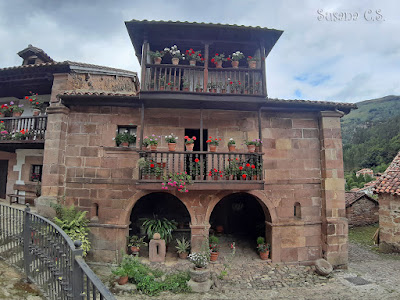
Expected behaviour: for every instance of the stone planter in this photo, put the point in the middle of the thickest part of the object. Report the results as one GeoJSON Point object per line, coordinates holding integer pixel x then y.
{"type": "Point", "coordinates": [199, 274]}
{"type": "Point", "coordinates": [157, 60]}
{"type": "Point", "coordinates": [171, 146]}
{"type": "Point", "coordinates": [175, 61]}
{"type": "Point", "coordinates": [189, 147]}
{"type": "Point", "coordinates": [235, 64]}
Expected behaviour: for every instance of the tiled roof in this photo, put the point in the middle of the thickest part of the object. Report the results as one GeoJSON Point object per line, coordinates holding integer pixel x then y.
{"type": "Point", "coordinates": [98, 93]}
{"type": "Point", "coordinates": [77, 66]}
{"type": "Point", "coordinates": [313, 102]}
{"type": "Point", "coordinates": [352, 197]}
{"type": "Point", "coordinates": [389, 182]}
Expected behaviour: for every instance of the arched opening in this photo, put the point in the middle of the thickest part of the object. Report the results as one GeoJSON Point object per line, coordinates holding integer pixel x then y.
{"type": "Point", "coordinates": [297, 210]}
{"type": "Point", "coordinates": [241, 217]}
{"type": "Point", "coordinates": [160, 205]}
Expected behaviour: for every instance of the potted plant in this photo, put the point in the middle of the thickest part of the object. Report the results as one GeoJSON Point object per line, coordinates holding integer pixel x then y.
{"type": "Point", "coordinates": [218, 59]}
{"type": "Point", "coordinates": [37, 105]}
{"type": "Point", "coordinates": [215, 174]}
{"type": "Point", "coordinates": [200, 272]}
{"type": "Point", "coordinates": [231, 145]}
{"type": "Point", "coordinates": [252, 61]}
{"type": "Point", "coordinates": [185, 85]}
{"type": "Point", "coordinates": [199, 88]}
{"type": "Point", "coordinates": [213, 143]}
{"type": "Point", "coordinates": [153, 142]}
{"type": "Point", "coordinates": [17, 110]}
{"type": "Point", "coordinates": [171, 140]}
{"type": "Point", "coordinates": [235, 57]}
{"type": "Point", "coordinates": [4, 110]}
{"type": "Point", "coordinates": [175, 54]}
{"type": "Point", "coordinates": [125, 139]}
{"type": "Point", "coordinates": [193, 56]}
{"type": "Point", "coordinates": [258, 145]}
{"type": "Point", "coordinates": [212, 87]}
{"type": "Point", "coordinates": [263, 248]}
{"type": "Point", "coordinates": [222, 87]}
{"type": "Point", "coordinates": [177, 180]}
{"type": "Point", "coordinates": [135, 243]}
{"type": "Point", "coordinates": [214, 247]}
{"type": "Point", "coordinates": [162, 83]}
{"type": "Point", "coordinates": [122, 273]}
{"type": "Point", "coordinates": [162, 226]}
{"type": "Point", "coordinates": [156, 56]}
{"type": "Point", "coordinates": [146, 142]}
{"type": "Point", "coordinates": [182, 247]}
{"type": "Point", "coordinates": [189, 143]}
{"type": "Point", "coordinates": [251, 145]}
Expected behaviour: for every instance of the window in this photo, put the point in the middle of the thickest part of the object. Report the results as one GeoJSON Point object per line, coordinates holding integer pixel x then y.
{"type": "Point", "coordinates": [36, 173]}
{"type": "Point", "coordinates": [31, 61]}
{"type": "Point", "coordinates": [131, 130]}
{"type": "Point", "coordinates": [297, 210]}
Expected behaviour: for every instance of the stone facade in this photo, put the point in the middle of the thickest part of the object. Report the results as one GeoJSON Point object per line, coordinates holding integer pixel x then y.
{"type": "Point", "coordinates": [389, 223]}
{"type": "Point", "coordinates": [364, 211]}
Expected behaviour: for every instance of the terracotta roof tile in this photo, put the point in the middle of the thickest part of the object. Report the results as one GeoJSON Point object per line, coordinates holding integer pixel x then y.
{"type": "Point", "coordinates": [352, 197]}
{"type": "Point", "coordinates": [321, 103]}
{"type": "Point", "coordinates": [389, 182]}
{"type": "Point", "coordinates": [98, 93]}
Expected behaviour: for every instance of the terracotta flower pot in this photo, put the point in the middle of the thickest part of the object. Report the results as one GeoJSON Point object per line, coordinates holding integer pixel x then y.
{"type": "Point", "coordinates": [135, 249]}
{"type": "Point", "coordinates": [17, 114]}
{"type": "Point", "coordinates": [189, 147]}
{"type": "Point", "coordinates": [223, 91]}
{"type": "Point", "coordinates": [171, 146]}
{"type": "Point", "coordinates": [252, 64]}
{"type": "Point", "coordinates": [258, 148]}
{"type": "Point", "coordinates": [219, 64]}
{"type": "Point", "coordinates": [183, 255]}
{"type": "Point", "coordinates": [153, 147]}
{"type": "Point", "coordinates": [175, 61]}
{"type": "Point", "coordinates": [232, 148]}
{"type": "Point", "coordinates": [213, 148]}
{"type": "Point", "coordinates": [199, 90]}
{"type": "Point", "coordinates": [192, 62]}
{"type": "Point", "coordinates": [157, 60]}
{"type": "Point", "coordinates": [161, 88]}
{"type": "Point", "coordinates": [186, 89]}
{"type": "Point", "coordinates": [235, 64]}
{"type": "Point", "coordinates": [264, 255]}
{"type": "Point", "coordinates": [123, 280]}
{"type": "Point", "coordinates": [214, 256]}
{"type": "Point", "coordinates": [254, 177]}
{"type": "Point", "coordinates": [251, 148]}
{"type": "Point", "coordinates": [125, 144]}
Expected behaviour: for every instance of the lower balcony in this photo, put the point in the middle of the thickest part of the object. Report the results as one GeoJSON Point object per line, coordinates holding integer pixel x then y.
{"type": "Point", "coordinates": [22, 133]}
{"type": "Point", "coordinates": [202, 170]}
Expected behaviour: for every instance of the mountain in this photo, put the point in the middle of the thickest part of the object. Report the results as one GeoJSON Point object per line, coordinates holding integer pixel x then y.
{"type": "Point", "coordinates": [371, 134]}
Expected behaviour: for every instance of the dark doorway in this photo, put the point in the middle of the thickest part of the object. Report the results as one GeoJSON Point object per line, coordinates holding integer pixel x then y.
{"type": "Point", "coordinates": [3, 178]}
{"type": "Point", "coordinates": [196, 133]}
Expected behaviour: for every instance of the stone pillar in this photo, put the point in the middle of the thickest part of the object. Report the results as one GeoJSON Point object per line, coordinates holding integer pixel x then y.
{"type": "Point", "coordinates": [199, 234]}
{"type": "Point", "coordinates": [53, 176]}
{"type": "Point", "coordinates": [334, 222]}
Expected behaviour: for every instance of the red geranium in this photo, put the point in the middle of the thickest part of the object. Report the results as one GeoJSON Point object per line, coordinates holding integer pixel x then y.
{"type": "Point", "coordinates": [196, 160]}
{"type": "Point", "coordinates": [151, 165]}
{"type": "Point", "coordinates": [244, 176]}
{"type": "Point", "coordinates": [247, 165]}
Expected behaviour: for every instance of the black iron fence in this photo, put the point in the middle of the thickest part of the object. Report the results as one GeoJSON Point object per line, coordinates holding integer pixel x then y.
{"type": "Point", "coordinates": [48, 256]}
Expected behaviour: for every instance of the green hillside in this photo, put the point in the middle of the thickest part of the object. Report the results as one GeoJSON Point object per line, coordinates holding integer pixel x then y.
{"type": "Point", "coordinates": [371, 134]}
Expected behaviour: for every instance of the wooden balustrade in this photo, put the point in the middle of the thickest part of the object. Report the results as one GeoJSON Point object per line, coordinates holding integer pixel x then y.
{"type": "Point", "coordinates": [24, 128]}
{"type": "Point", "coordinates": [185, 78]}
{"type": "Point", "coordinates": [201, 165]}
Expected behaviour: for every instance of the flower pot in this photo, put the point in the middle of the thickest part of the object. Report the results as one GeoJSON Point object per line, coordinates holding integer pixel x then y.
{"type": "Point", "coordinates": [123, 280]}
{"type": "Point", "coordinates": [254, 177]}
{"type": "Point", "coordinates": [189, 147]}
{"type": "Point", "coordinates": [171, 146]}
{"type": "Point", "coordinates": [258, 148]}
{"type": "Point", "coordinates": [264, 255]}
{"type": "Point", "coordinates": [125, 144]}
{"type": "Point", "coordinates": [235, 64]}
{"type": "Point", "coordinates": [245, 92]}
{"type": "Point", "coordinates": [199, 90]}
{"type": "Point", "coordinates": [244, 177]}
{"type": "Point", "coordinates": [153, 147]}
{"type": "Point", "coordinates": [161, 88]}
{"type": "Point", "coordinates": [157, 60]}
{"type": "Point", "coordinates": [213, 148]}
{"type": "Point", "coordinates": [219, 64]}
{"type": "Point", "coordinates": [223, 91]}
{"type": "Point", "coordinates": [1, 115]}
{"type": "Point", "coordinates": [186, 89]}
{"type": "Point", "coordinates": [232, 148]}
{"type": "Point", "coordinates": [214, 90]}
{"type": "Point", "coordinates": [251, 148]}
{"type": "Point", "coordinates": [199, 274]}
{"type": "Point", "coordinates": [183, 255]}
{"type": "Point", "coordinates": [192, 62]}
{"type": "Point", "coordinates": [17, 114]}
{"type": "Point", "coordinates": [214, 256]}
{"type": "Point", "coordinates": [135, 249]}
{"type": "Point", "coordinates": [175, 61]}
{"type": "Point", "coordinates": [252, 64]}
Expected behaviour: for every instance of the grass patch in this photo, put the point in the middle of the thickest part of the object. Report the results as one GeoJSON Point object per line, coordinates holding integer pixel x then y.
{"type": "Point", "coordinates": [363, 235]}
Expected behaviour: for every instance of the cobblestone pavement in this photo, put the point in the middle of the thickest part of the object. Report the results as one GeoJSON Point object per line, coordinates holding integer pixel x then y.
{"type": "Point", "coordinates": [250, 278]}
{"type": "Point", "coordinates": [12, 285]}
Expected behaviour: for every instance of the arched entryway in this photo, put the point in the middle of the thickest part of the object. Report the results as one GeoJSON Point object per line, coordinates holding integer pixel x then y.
{"type": "Point", "coordinates": [161, 205]}
{"type": "Point", "coordinates": [243, 218]}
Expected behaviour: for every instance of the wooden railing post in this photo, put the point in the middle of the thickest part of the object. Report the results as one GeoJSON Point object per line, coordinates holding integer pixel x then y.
{"type": "Point", "coordinates": [27, 239]}
{"type": "Point", "coordinates": [77, 273]}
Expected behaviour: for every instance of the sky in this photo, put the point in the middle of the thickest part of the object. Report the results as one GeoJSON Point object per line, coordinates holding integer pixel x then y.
{"type": "Point", "coordinates": [344, 51]}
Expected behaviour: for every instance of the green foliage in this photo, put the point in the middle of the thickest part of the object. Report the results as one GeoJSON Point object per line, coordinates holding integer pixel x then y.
{"type": "Point", "coordinates": [182, 245]}
{"type": "Point", "coordinates": [163, 226]}
{"type": "Point", "coordinates": [148, 280]}
{"type": "Point", "coordinates": [74, 223]}
{"type": "Point", "coordinates": [135, 241]}
{"type": "Point", "coordinates": [260, 240]}
{"type": "Point", "coordinates": [352, 181]}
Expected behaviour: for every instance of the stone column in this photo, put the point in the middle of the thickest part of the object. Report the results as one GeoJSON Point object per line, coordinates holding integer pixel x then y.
{"type": "Point", "coordinates": [334, 222]}
{"type": "Point", "coordinates": [53, 176]}
{"type": "Point", "coordinates": [199, 234]}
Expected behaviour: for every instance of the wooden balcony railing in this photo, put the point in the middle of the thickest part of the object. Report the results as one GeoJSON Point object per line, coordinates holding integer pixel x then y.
{"type": "Point", "coordinates": [192, 79]}
{"type": "Point", "coordinates": [201, 166]}
{"type": "Point", "coordinates": [20, 129]}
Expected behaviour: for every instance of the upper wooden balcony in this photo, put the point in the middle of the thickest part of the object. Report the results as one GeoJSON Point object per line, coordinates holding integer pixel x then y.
{"type": "Point", "coordinates": [23, 133]}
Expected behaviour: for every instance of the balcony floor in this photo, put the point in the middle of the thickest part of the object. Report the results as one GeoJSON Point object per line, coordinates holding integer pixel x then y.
{"type": "Point", "coordinates": [208, 185]}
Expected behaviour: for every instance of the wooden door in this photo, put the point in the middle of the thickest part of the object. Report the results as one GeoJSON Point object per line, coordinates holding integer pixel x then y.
{"type": "Point", "coordinates": [3, 177]}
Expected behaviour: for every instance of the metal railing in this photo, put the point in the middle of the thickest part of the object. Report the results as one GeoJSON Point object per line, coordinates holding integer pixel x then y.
{"type": "Point", "coordinates": [48, 256]}
{"type": "Point", "coordinates": [191, 79]}
{"type": "Point", "coordinates": [33, 128]}
{"type": "Point", "coordinates": [201, 165]}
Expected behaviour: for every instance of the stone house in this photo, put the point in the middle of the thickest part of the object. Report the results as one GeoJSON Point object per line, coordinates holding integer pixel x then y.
{"type": "Point", "coordinates": [291, 190]}
{"type": "Point", "coordinates": [365, 171]}
{"type": "Point", "coordinates": [388, 190]}
{"type": "Point", "coordinates": [361, 209]}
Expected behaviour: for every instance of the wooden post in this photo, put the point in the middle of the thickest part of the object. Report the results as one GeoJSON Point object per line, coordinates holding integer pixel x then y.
{"type": "Point", "coordinates": [144, 61]}
{"type": "Point", "coordinates": [141, 126]}
{"type": "Point", "coordinates": [201, 144]}
{"type": "Point", "coordinates": [206, 54]}
{"type": "Point", "coordinates": [259, 127]}
{"type": "Point", "coordinates": [264, 74]}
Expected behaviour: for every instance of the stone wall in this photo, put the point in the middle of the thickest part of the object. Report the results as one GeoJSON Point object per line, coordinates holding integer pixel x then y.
{"type": "Point", "coordinates": [363, 212]}
{"type": "Point", "coordinates": [389, 223]}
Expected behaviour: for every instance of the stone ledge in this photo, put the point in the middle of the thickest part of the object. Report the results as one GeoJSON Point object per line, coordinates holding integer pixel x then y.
{"type": "Point", "coordinates": [108, 225]}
